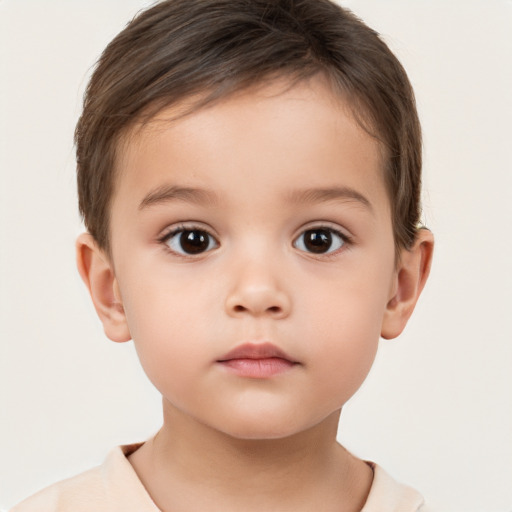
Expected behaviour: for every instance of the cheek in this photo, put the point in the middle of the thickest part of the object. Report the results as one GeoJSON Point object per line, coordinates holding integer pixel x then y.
{"type": "Point", "coordinates": [167, 332]}
{"type": "Point", "coordinates": [343, 338]}
{"type": "Point", "coordinates": [348, 307]}
{"type": "Point", "coordinates": [347, 342]}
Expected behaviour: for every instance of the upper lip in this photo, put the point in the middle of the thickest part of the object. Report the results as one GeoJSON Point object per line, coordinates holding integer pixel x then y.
{"type": "Point", "coordinates": [255, 351]}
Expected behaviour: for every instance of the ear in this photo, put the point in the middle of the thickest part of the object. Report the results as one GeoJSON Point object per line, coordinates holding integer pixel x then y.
{"type": "Point", "coordinates": [411, 275]}
{"type": "Point", "coordinates": [98, 275]}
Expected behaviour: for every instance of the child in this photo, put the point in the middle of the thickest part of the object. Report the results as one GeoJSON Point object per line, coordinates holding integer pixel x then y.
{"type": "Point", "coordinates": [249, 175]}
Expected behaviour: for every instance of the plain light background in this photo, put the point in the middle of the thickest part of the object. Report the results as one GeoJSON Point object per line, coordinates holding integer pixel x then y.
{"type": "Point", "coordinates": [436, 410]}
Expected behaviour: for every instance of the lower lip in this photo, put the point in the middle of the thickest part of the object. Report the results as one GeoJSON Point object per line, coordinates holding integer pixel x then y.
{"type": "Point", "coordinates": [258, 368]}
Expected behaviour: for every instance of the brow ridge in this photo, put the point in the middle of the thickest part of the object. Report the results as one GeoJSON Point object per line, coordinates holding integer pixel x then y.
{"type": "Point", "coordinates": [166, 193]}
{"type": "Point", "coordinates": [325, 194]}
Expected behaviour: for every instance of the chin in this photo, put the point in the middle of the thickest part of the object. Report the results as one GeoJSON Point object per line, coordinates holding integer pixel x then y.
{"type": "Point", "coordinates": [260, 434]}
{"type": "Point", "coordinates": [265, 427]}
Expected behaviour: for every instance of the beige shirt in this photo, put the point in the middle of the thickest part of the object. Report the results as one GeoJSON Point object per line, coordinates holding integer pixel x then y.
{"type": "Point", "coordinates": [115, 487]}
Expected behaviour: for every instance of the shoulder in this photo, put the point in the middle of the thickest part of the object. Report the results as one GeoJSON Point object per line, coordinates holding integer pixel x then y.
{"type": "Point", "coordinates": [388, 495]}
{"type": "Point", "coordinates": [68, 493]}
{"type": "Point", "coordinates": [111, 487]}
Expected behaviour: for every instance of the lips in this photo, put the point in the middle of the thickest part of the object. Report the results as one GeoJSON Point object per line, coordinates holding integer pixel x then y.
{"type": "Point", "coordinates": [256, 351]}
{"type": "Point", "coordinates": [257, 360]}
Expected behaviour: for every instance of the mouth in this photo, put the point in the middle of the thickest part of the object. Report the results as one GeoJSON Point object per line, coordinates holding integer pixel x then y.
{"type": "Point", "coordinates": [257, 360]}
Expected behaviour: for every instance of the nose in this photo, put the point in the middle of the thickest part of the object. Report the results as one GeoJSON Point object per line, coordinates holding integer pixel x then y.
{"type": "Point", "coordinates": [256, 292]}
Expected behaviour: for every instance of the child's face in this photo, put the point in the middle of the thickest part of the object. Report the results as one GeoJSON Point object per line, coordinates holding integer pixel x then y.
{"type": "Point", "coordinates": [262, 219]}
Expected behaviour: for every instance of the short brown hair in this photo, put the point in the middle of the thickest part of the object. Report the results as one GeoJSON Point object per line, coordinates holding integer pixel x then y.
{"type": "Point", "coordinates": [212, 48]}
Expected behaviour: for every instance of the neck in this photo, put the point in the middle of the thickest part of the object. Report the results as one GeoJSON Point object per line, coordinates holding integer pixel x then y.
{"type": "Point", "coordinates": [248, 474]}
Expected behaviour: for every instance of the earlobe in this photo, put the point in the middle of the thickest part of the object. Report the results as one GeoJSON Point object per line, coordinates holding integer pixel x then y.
{"type": "Point", "coordinates": [411, 276]}
{"type": "Point", "coordinates": [99, 277]}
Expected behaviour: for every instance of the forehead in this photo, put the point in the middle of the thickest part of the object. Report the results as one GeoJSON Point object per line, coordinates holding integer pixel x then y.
{"type": "Point", "coordinates": [279, 133]}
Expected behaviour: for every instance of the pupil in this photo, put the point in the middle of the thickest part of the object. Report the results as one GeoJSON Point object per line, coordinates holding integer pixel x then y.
{"type": "Point", "coordinates": [318, 241]}
{"type": "Point", "coordinates": [194, 242]}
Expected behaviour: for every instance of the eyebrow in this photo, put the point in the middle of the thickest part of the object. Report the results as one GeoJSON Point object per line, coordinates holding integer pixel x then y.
{"type": "Point", "coordinates": [321, 195]}
{"type": "Point", "coordinates": [166, 193]}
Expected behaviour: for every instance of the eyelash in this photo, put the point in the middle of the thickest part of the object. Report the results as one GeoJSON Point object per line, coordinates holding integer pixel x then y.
{"type": "Point", "coordinates": [165, 239]}
{"type": "Point", "coordinates": [345, 240]}
{"type": "Point", "coordinates": [169, 235]}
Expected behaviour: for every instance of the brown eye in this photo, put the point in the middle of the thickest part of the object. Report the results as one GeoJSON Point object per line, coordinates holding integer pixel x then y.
{"type": "Point", "coordinates": [191, 241]}
{"type": "Point", "coordinates": [319, 241]}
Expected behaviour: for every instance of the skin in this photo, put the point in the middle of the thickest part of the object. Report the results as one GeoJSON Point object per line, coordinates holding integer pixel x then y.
{"type": "Point", "coordinates": [253, 155]}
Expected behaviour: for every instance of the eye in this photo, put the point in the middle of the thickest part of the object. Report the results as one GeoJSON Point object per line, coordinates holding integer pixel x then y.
{"type": "Point", "coordinates": [320, 241]}
{"type": "Point", "coordinates": [190, 241]}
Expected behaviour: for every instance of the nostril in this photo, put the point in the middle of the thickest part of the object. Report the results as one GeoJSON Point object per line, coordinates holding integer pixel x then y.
{"type": "Point", "coordinates": [241, 309]}
{"type": "Point", "coordinates": [258, 301]}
